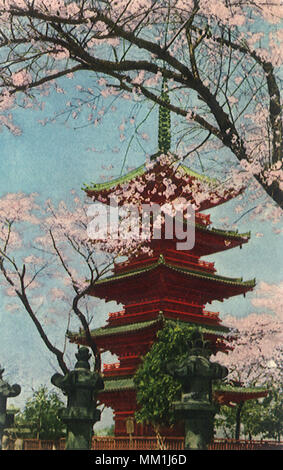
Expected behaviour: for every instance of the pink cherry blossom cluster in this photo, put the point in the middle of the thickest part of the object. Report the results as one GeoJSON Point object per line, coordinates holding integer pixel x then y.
{"type": "Point", "coordinates": [22, 78]}
{"type": "Point", "coordinates": [257, 356]}
{"type": "Point", "coordinates": [270, 297]}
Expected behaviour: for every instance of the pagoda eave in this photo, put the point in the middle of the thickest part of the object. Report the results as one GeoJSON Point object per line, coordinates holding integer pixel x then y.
{"type": "Point", "coordinates": [161, 279]}
{"type": "Point", "coordinates": [124, 335]}
{"type": "Point", "coordinates": [118, 339]}
{"type": "Point", "coordinates": [208, 240]}
{"type": "Point", "coordinates": [119, 394]}
{"type": "Point", "coordinates": [238, 395]}
{"type": "Point", "coordinates": [211, 240]}
{"type": "Point", "coordinates": [150, 178]}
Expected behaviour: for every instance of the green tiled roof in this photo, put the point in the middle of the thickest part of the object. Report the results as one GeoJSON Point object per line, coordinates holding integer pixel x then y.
{"type": "Point", "coordinates": [116, 330]}
{"type": "Point", "coordinates": [141, 170]}
{"type": "Point", "coordinates": [112, 385]}
{"type": "Point", "coordinates": [190, 172]}
{"type": "Point", "coordinates": [225, 233]}
{"type": "Point", "coordinates": [117, 181]}
{"type": "Point", "coordinates": [234, 389]}
{"type": "Point", "coordinates": [192, 273]}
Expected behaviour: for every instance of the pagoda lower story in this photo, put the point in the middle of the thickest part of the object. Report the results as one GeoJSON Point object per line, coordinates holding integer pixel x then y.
{"type": "Point", "coordinates": [168, 284]}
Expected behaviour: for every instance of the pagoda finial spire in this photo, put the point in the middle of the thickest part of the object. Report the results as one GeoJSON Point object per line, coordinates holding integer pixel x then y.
{"type": "Point", "coordinates": [164, 125]}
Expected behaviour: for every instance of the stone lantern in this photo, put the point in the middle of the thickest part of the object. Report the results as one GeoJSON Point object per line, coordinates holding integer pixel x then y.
{"type": "Point", "coordinates": [196, 374]}
{"type": "Point", "coordinates": [81, 386]}
{"type": "Point", "coordinates": [6, 391]}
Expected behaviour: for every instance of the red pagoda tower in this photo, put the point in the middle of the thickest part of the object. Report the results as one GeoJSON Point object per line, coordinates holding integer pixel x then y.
{"type": "Point", "coordinates": [166, 284]}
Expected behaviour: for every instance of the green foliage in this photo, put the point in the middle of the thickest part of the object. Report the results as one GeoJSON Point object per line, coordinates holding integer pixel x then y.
{"type": "Point", "coordinates": [251, 417]}
{"type": "Point", "coordinates": [226, 421]}
{"type": "Point", "coordinates": [262, 417]}
{"type": "Point", "coordinates": [271, 420]}
{"type": "Point", "coordinates": [156, 389]}
{"type": "Point", "coordinates": [109, 431]}
{"type": "Point", "coordinates": [40, 415]}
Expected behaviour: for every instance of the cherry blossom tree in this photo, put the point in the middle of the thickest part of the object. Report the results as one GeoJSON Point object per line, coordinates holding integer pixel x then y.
{"type": "Point", "coordinates": [270, 297]}
{"type": "Point", "coordinates": [257, 354]}
{"type": "Point", "coordinates": [256, 358]}
{"type": "Point", "coordinates": [47, 261]}
{"type": "Point", "coordinates": [221, 61]}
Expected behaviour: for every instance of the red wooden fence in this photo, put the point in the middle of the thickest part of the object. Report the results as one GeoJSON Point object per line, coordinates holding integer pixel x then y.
{"type": "Point", "coordinates": [151, 443]}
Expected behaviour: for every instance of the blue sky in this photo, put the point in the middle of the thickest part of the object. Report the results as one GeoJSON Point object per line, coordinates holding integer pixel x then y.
{"type": "Point", "coordinates": [54, 159]}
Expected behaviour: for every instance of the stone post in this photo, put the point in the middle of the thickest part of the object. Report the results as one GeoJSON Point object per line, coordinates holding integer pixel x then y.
{"type": "Point", "coordinates": [81, 387]}
{"type": "Point", "coordinates": [6, 391]}
{"type": "Point", "coordinates": [196, 409]}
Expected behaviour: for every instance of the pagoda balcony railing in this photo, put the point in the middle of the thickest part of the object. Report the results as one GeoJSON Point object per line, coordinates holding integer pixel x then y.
{"type": "Point", "coordinates": [117, 368]}
{"type": "Point", "coordinates": [161, 308]}
{"type": "Point", "coordinates": [114, 365]}
{"type": "Point", "coordinates": [189, 259]}
{"type": "Point", "coordinates": [197, 316]}
{"type": "Point", "coordinates": [128, 355]}
{"type": "Point", "coordinates": [136, 316]}
{"type": "Point", "coordinates": [195, 266]}
{"type": "Point", "coordinates": [114, 315]}
{"type": "Point", "coordinates": [194, 263]}
{"type": "Point", "coordinates": [125, 357]}
{"type": "Point", "coordinates": [207, 265]}
{"type": "Point", "coordinates": [157, 305]}
{"type": "Point", "coordinates": [209, 314]}
{"type": "Point", "coordinates": [170, 312]}
{"type": "Point", "coordinates": [161, 302]}
{"type": "Point", "coordinates": [203, 219]}
{"type": "Point", "coordinates": [133, 315]}
{"type": "Point", "coordinates": [182, 254]}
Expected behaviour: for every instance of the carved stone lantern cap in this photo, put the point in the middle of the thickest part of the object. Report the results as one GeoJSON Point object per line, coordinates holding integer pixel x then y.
{"type": "Point", "coordinates": [83, 356]}
{"type": "Point", "coordinates": [197, 345]}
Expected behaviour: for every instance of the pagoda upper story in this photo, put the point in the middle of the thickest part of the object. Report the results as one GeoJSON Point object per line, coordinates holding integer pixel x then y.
{"type": "Point", "coordinates": [162, 180]}
{"type": "Point", "coordinates": [178, 283]}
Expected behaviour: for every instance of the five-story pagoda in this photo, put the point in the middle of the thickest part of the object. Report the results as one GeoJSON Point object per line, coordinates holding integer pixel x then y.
{"type": "Point", "coordinates": [162, 282]}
